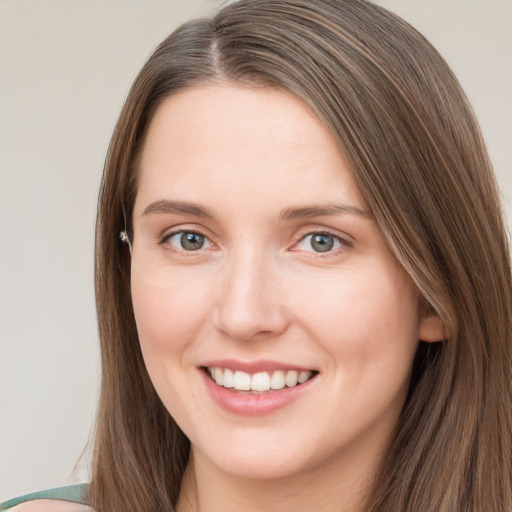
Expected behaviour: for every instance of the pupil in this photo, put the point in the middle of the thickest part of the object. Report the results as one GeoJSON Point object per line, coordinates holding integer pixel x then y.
{"type": "Point", "coordinates": [322, 243]}
{"type": "Point", "coordinates": [192, 241]}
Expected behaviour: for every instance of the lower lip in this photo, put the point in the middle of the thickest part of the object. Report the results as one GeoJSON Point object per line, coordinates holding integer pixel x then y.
{"type": "Point", "coordinates": [247, 404]}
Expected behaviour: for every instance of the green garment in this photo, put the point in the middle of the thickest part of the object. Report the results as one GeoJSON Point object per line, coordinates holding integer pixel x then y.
{"type": "Point", "coordinates": [75, 493]}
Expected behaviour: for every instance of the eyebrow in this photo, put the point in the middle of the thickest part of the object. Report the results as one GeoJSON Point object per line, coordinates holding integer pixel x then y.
{"type": "Point", "coordinates": [323, 210]}
{"type": "Point", "coordinates": [165, 206]}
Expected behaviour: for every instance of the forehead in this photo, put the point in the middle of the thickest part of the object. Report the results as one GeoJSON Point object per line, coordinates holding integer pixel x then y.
{"type": "Point", "coordinates": [225, 140]}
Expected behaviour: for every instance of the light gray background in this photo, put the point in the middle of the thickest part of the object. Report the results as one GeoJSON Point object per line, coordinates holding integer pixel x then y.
{"type": "Point", "coordinates": [65, 68]}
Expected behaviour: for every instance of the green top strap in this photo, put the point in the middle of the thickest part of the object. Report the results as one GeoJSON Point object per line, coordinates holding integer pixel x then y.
{"type": "Point", "coordinates": [75, 493]}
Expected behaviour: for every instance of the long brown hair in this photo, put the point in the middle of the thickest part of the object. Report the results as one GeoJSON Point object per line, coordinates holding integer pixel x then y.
{"type": "Point", "coordinates": [415, 149]}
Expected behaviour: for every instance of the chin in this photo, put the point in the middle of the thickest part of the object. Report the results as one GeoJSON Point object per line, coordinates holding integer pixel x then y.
{"type": "Point", "coordinates": [265, 459]}
{"type": "Point", "coordinates": [269, 467]}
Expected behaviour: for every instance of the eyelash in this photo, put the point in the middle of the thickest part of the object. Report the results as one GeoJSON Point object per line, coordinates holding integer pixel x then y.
{"type": "Point", "coordinates": [343, 243]}
{"type": "Point", "coordinates": [182, 232]}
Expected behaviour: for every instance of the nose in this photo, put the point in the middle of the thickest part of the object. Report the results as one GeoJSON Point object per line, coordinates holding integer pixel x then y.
{"type": "Point", "coordinates": [249, 305]}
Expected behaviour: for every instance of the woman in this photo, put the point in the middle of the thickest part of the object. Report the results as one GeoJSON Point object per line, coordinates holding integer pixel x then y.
{"type": "Point", "coordinates": [303, 281]}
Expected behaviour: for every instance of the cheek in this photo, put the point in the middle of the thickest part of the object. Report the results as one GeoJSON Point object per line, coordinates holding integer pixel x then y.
{"type": "Point", "coordinates": [168, 320]}
{"type": "Point", "coordinates": [367, 323]}
{"type": "Point", "coordinates": [357, 304]}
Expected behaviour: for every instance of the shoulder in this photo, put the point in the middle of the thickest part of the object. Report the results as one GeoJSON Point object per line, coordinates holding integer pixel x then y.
{"type": "Point", "coordinates": [71, 498]}
{"type": "Point", "coordinates": [48, 505]}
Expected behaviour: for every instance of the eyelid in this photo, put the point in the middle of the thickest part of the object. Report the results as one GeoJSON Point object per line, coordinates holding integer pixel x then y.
{"type": "Point", "coordinates": [175, 231]}
{"type": "Point", "coordinates": [187, 227]}
{"type": "Point", "coordinates": [344, 241]}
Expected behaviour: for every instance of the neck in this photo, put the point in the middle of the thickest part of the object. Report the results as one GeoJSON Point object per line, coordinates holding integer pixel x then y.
{"type": "Point", "coordinates": [206, 488]}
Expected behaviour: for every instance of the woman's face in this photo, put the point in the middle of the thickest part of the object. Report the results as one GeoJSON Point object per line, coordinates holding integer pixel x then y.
{"type": "Point", "coordinates": [256, 260]}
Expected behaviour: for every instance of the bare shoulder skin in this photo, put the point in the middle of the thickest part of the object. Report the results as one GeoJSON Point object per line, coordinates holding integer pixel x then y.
{"type": "Point", "coordinates": [44, 505]}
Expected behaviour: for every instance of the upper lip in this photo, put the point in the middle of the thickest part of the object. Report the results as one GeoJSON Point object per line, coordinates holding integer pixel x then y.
{"type": "Point", "coordinates": [261, 365]}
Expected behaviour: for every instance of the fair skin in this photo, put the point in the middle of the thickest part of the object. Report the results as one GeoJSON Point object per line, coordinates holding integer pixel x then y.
{"type": "Point", "coordinates": [254, 251]}
{"type": "Point", "coordinates": [248, 175]}
{"type": "Point", "coordinates": [50, 506]}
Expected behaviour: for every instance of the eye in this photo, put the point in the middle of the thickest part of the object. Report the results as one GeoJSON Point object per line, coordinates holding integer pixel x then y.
{"type": "Point", "coordinates": [187, 241]}
{"type": "Point", "coordinates": [320, 243]}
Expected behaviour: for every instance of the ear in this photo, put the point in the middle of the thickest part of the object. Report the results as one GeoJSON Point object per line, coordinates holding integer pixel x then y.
{"type": "Point", "coordinates": [432, 328]}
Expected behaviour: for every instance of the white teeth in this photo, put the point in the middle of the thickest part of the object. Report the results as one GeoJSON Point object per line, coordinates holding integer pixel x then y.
{"type": "Point", "coordinates": [291, 378]}
{"type": "Point", "coordinates": [218, 375]}
{"type": "Point", "coordinates": [241, 381]}
{"type": "Point", "coordinates": [261, 381]}
{"type": "Point", "coordinates": [277, 381]}
{"type": "Point", "coordinates": [303, 377]}
{"type": "Point", "coordinates": [228, 378]}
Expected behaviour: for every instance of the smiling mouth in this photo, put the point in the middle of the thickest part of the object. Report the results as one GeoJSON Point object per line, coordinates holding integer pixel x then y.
{"type": "Point", "coordinates": [261, 382]}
